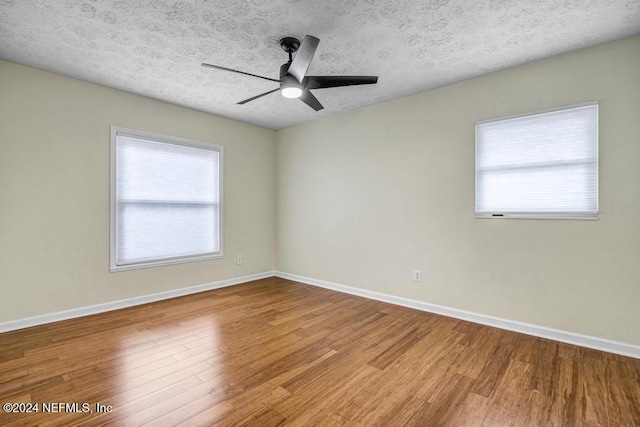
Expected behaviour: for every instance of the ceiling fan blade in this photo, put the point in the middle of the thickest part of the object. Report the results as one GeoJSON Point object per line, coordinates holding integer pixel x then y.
{"type": "Point", "coordinates": [322, 82]}
{"type": "Point", "coordinates": [304, 54]}
{"type": "Point", "coordinates": [217, 67]}
{"type": "Point", "coordinates": [308, 98]}
{"type": "Point", "coordinates": [257, 96]}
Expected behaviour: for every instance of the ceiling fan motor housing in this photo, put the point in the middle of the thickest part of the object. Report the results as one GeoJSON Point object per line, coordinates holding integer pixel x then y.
{"type": "Point", "coordinates": [284, 77]}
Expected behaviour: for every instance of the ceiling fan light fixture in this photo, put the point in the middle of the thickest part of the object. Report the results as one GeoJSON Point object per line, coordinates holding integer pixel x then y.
{"type": "Point", "coordinates": [291, 91]}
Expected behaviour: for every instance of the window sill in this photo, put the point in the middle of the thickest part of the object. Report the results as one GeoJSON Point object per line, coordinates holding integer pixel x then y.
{"type": "Point", "coordinates": [163, 262]}
{"type": "Point", "coordinates": [588, 216]}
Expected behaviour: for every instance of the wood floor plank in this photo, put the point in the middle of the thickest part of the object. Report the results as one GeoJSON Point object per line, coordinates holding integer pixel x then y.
{"type": "Point", "coordinates": [275, 352]}
{"type": "Point", "coordinates": [447, 405]}
{"type": "Point", "coordinates": [397, 349]}
{"type": "Point", "coordinates": [562, 399]}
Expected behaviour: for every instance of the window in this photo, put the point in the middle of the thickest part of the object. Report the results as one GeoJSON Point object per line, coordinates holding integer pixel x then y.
{"type": "Point", "coordinates": [542, 165]}
{"type": "Point", "coordinates": [165, 200]}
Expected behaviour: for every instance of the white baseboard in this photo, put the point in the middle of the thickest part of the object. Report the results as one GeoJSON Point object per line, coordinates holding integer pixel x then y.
{"type": "Point", "coordinates": [510, 325]}
{"type": "Point", "coordinates": [129, 302]}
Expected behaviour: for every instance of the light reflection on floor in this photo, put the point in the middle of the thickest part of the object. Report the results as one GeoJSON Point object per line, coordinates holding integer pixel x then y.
{"type": "Point", "coordinates": [168, 366]}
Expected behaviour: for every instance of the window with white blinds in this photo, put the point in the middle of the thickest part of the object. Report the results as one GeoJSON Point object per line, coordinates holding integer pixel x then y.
{"type": "Point", "coordinates": [165, 200]}
{"type": "Point", "coordinates": [542, 165]}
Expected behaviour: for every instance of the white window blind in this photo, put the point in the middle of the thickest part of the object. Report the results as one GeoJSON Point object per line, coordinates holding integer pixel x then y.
{"type": "Point", "coordinates": [165, 200]}
{"type": "Point", "coordinates": [541, 165]}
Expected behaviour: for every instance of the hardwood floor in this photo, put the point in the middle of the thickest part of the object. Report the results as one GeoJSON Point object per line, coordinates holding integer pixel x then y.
{"type": "Point", "coordinates": [275, 352]}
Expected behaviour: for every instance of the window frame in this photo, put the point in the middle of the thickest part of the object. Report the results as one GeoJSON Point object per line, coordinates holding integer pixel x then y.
{"type": "Point", "coordinates": [553, 215]}
{"type": "Point", "coordinates": [113, 201]}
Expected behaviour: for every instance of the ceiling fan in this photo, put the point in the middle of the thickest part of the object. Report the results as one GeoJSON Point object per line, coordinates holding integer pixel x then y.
{"type": "Point", "coordinates": [294, 83]}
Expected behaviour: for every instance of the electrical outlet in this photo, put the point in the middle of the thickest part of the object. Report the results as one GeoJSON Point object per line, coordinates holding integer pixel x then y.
{"type": "Point", "coordinates": [417, 276]}
{"type": "Point", "coordinates": [239, 259]}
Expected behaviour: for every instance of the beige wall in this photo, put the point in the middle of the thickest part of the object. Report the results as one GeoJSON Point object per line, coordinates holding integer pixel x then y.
{"type": "Point", "coordinates": [367, 197]}
{"type": "Point", "coordinates": [54, 193]}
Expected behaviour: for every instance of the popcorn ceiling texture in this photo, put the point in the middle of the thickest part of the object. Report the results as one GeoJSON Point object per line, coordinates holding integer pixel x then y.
{"type": "Point", "coordinates": [155, 47]}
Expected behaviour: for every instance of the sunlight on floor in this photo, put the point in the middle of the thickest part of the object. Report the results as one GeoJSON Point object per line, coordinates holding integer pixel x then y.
{"type": "Point", "coordinates": [169, 366]}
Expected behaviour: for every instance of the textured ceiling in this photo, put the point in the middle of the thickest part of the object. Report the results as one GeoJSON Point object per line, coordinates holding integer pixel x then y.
{"type": "Point", "coordinates": [155, 47]}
